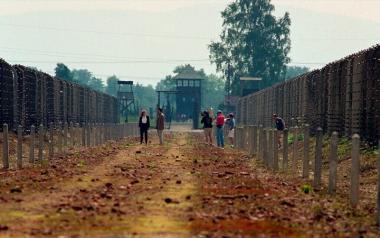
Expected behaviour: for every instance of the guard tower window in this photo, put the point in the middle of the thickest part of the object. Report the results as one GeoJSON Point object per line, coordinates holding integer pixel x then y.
{"type": "Point", "coordinates": [180, 83]}
{"type": "Point", "coordinates": [191, 83]}
{"type": "Point", "coordinates": [197, 83]}
{"type": "Point", "coordinates": [185, 83]}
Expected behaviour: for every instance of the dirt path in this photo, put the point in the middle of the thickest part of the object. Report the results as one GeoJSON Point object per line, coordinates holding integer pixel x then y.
{"type": "Point", "coordinates": [181, 189]}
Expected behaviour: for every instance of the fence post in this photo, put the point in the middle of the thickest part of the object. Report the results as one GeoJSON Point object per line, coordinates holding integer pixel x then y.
{"type": "Point", "coordinates": [271, 149]}
{"type": "Point", "coordinates": [60, 139]}
{"type": "Point", "coordinates": [355, 170]}
{"type": "Point", "coordinates": [275, 150]}
{"type": "Point", "coordinates": [333, 162]}
{"type": "Point", "coordinates": [254, 140]}
{"type": "Point", "coordinates": [83, 132]}
{"type": "Point", "coordinates": [306, 144]}
{"type": "Point", "coordinates": [285, 145]}
{"type": "Point", "coordinates": [65, 134]}
{"type": "Point", "coordinates": [5, 146]}
{"type": "Point", "coordinates": [265, 147]}
{"type": "Point", "coordinates": [249, 139]}
{"type": "Point", "coordinates": [19, 147]}
{"type": "Point", "coordinates": [378, 190]}
{"type": "Point", "coordinates": [41, 143]}
{"type": "Point", "coordinates": [51, 141]}
{"type": "Point", "coordinates": [318, 159]}
{"type": "Point", "coordinates": [261, 143]}
{"type": "Point", "coordinates": [295, 151]}
{"type": "Point", "coordinates": [88, 128]}
{"type": "Point", "coordinates": [32, 143]}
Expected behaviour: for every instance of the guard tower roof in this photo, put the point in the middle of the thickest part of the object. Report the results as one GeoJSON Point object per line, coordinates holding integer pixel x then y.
{"type": "Point", "coordinates": [188, 74]}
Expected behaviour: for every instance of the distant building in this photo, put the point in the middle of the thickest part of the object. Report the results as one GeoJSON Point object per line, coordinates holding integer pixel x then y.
{"type": "Point", "coordinates": [189, 84]}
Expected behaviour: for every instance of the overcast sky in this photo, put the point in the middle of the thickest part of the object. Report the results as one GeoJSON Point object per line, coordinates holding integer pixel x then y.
{"type": "Point", "coordinates": [143, 40]}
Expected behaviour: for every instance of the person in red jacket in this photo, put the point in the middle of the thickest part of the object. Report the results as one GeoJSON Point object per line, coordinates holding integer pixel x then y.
{"type": "Point", "coordinates": [220, 129]}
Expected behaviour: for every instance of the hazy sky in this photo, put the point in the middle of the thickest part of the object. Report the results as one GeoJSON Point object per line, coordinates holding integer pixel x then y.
{"type": "Point", "coordinates": [143, 40]}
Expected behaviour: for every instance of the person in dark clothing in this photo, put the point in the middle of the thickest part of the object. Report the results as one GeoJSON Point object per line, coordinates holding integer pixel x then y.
{"type": "Point", "coordinates": [207, 126]}
{"type": "Point", "coordinates": [160, 125]}
{"type": "Point", "coordinates": [144, 124]}
{"type": "Point", "coordinates": [280, 126]}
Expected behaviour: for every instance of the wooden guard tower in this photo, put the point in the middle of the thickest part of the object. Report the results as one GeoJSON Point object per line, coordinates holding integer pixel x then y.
{"type": "Point", "coordinates": [188, 98]}
{"type": "Point", "coordinates": [125, 97]}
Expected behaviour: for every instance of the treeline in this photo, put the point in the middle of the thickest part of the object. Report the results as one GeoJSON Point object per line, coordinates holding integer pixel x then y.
{"type": "Point", "coordinates": [146, 96]}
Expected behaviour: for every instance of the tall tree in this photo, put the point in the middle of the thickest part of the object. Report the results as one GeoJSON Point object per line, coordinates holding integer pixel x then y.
{"type": "Point", "coordinates": [96, 84]}
{"type": "Point", "coordinates": [294, 71]}
{"type": "Point", "coordinates": [253, 42]}
{"type": "Point", "coordinates": [63, 72]}
{"type": "Point", "coordinates": [112, 85]}
{"type": "Point", "coordinates": [82, 76]}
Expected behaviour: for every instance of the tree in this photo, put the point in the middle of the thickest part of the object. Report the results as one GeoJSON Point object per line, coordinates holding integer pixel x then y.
{"type": "Point", "coordinates": [145, 96]}
{"type": "Point", "coordinates": [294, 71]}
{"type": "Point", "coordinates": [82, 76]}
{"type": "Point", "coordinates": [253, 42]}
{"type": "Point", "coordinates": [63, 72]}
{"type": "Point", "coordinates": [96, 84]}
{"type": "Point", "coordinates": [112, 85]}
{"type": "Point", "coordinates": [212, 91]}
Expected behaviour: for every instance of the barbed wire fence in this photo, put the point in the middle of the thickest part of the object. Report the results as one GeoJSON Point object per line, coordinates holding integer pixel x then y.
{"type": "Point", "coordinates": [344, 96]}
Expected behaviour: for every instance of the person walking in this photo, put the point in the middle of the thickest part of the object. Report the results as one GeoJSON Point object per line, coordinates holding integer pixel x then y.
{"type": "Point", "coordinates": [220, 129]}
{"type": "Point", "coordinates": [144, 124]}
{"type": "Point", "coordinates": [207, 126]}
{"type": "Point", "coordinates": [280, 126]}
{"type": "Point", "coordinates": [230, 122]}
{"type": "Point", "coordinates": [160, 125]}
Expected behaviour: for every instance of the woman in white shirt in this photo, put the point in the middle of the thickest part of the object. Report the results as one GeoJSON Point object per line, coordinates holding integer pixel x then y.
{"type": "Point", "coordinates": [144, 124]}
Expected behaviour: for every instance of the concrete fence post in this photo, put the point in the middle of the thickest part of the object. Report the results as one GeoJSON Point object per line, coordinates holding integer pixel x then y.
{"type": "Point", "coordinates": [40, 143]}
{"type": "Point", "coordinates": [83, 131]}
{"type": "Point", "coordinates": [60, 138]}
{"type": "Point", "coordinates": [88, 134]}
{"type": "Point", "coordinates": [378, 190]}
{"type": "Point", "coordinates": [254, 140]}
{"type": "Point", "coordinates": [318, 159]}
{"type": "Point", "coordinates": [271, 149]}
{"type": "Point", "coordinates": [247, 138]}
{"type": "Point", "coordinates": [306, 146]}
{"type": "Point", "coordinates": [265, 147]}
{"type": "Point", "coordinates": [250, 139]}
{"type": "Point", "coordinates": [19, 147]}
{"type": "Point", "coordinates": [65, 136]}
{"type": "Point", "coordinates": [275, 150]}
{"type": "Point", "coordinates": [355, 170]}
{"type": "Point", "coordinates": [261, 142]}
{"type": "Point", "coordinates": [333, 163]}
{"type": "Point", "coordinates": [285, 150]}
{"type": "Point", "coordinates": [5, 146]}
{"type": "Point", "coordinates": [32, 143]}
{"type": "Point", "coordinates": [295, 151]}
{"type": "Point", "coordinates": [51, 141]}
